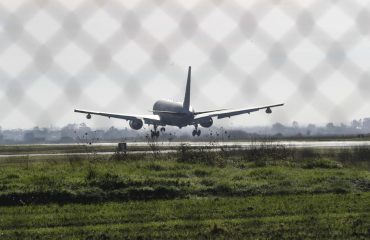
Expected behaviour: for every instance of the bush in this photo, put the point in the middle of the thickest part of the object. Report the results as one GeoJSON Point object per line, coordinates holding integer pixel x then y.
{"type": "Point", "coordinates": [204, 155]}
{"type": "Point", "coordinates": [45, 182]}
{"type": "Point", "coordinates": [108, 181]}
{"type": "Point", "coordinates": [322, 163]}
{"type": "Point", "coordinates": [361, 153]}
{"type": "Point", "coordinates": [159, 192]}
{"type": "Point", "coordinates": [156, 167]}
{"type": "Point", "coordinates": [201, 173]}
{"type": "Point", "coordinates": [221, 189]}
{"type": "Point", "coordinates": [305, 154]}
{"type": "Point", "coordinates": [263, 152]}
{"type": "Point", "coordinates": [91, 174]}
{"type": "Point", "coordinates": [119, 156]}
{"type": "Point", "coordinates": [355, 156]}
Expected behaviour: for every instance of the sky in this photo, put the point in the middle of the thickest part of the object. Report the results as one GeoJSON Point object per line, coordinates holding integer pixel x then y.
{"type": "Point", "coordinates": [122, 56]}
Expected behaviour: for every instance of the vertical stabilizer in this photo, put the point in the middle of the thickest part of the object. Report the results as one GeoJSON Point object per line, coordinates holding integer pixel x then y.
{"type": "Point", "coordinates": [186, 104]}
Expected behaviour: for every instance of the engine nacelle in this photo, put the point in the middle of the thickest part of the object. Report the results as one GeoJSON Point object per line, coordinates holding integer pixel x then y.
{"type": "Point", "coordinates": [136, 124]}
{"type": "Point", "coordinates": [268, 110]}
{"type": "Point", "coordinates": [206, 123]}
{"type": "Point", "coordinates": [88, 116]}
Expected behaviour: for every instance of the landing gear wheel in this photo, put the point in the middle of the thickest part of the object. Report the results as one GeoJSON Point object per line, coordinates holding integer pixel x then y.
{"type": "Point", "coordinates": [154, 134]}
{"type": "Point", "coordinates": [194, 133]}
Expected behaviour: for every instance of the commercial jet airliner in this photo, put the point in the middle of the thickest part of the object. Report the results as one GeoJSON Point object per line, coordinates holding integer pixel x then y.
{"type": "Point", "coordinates": [179, 114]}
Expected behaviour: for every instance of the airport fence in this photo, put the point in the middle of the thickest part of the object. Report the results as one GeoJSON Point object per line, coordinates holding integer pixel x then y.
{"type": "Point", "coordinates": [120, 56]}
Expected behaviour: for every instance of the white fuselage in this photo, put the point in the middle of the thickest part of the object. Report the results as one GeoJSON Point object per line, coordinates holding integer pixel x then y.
{"type": "Point", "coordinates": [173, 113]}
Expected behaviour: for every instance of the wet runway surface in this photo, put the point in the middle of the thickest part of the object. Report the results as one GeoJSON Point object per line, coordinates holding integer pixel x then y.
{"type": "Point", "coordinates": [215, 145]}
{"type": "Point", "coordinates": [299, 144]}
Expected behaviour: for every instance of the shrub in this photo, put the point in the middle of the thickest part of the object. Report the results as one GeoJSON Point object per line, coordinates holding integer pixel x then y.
{"type": "Point", "coordinates": [45, 182]}
{"type": "Point", "coordinates": [305, 154]}
{"type": "Point", "coordinates": [222, 189]}
{"type": "Point", "coordinates": [354, 155]}
{"type": "Point", "coordinates": [262, 152]}
{"type": "Point", "coordinates": [159, 192]}
{"type": "Point", "coordinates": [91, 174]}
{"type": "Point", "coordinates": [322, 163]}
{"type": "Point", "coordinates": [201, 173]}
{"type": "Point", "coordinates": [108, 181]}
{"type": "Point", "coordinates": [203, 155]}
{"type": "Point", "coordinates": [156, 167]}
{"type": "Point", "coordinates": [361, 153]}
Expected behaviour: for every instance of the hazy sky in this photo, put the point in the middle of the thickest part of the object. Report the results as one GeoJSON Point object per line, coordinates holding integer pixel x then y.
{"type": "Point", "coordinates": [121, 56]}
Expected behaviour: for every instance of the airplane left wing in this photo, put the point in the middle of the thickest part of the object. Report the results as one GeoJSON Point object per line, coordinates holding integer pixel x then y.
{"type": "Point", "coordinates": [233, 112]}
{"type": "Point", "coordinates": [147, 119]}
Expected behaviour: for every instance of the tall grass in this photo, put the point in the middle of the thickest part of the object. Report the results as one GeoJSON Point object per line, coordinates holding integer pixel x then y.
{"type": "Point", "coordinates": [267, 169]}
{"type": "Point", "coordinates": [323, 216]}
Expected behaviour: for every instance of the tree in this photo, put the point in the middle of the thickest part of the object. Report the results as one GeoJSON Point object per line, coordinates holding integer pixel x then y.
{"type": "Point", "coordinates": [356, 124]}
{"type": "Point", "coordinates": [330, 125]}
{"type": "Point", "coordinates": [278, 128]}
{"type": "Point", "coordinates": [69, 130]}
{"type": "Point", "coordinates": [366, 123]}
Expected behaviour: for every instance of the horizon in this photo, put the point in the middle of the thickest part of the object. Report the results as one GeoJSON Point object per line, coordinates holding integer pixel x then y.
{"type": "Point", "coordinates": [188, 129]}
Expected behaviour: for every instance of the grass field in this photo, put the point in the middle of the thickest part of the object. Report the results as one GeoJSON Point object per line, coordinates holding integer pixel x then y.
{"type": "Point", "coordinates": [259, 193]}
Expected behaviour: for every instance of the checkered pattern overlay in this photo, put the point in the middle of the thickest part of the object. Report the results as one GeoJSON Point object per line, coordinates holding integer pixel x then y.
{"type": "Point", "coordinates": [122, 55]}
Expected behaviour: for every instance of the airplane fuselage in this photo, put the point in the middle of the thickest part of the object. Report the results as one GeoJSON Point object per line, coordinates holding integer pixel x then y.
{"type": "Point", "coordinates": [173, 113]}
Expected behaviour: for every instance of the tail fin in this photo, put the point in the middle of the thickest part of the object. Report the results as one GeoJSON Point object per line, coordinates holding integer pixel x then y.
{"type": "Point", "coordinates": [186, 104]}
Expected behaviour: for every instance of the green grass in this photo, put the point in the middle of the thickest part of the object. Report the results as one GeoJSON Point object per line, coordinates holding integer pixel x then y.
{"type": "Point", "coordinates": [107, 180]}
{"type": "Point", "coordinates": [260, 193]}
{"type": "Point", "coordinates": [343, 216]}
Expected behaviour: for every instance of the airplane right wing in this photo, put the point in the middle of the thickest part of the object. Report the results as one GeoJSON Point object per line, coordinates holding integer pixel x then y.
{"type": "Point", "coordinates": [147, 119]}
{"type": "Point", "coordinates": [232, 112]}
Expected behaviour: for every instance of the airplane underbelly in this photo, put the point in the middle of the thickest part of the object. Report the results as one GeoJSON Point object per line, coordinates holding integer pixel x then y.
{"type": "Point", "coordinates": [175, 120]}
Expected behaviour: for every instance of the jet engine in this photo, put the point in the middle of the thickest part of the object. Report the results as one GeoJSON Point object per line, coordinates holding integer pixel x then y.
{"type": "Point", "coordinates": [268, 110]}
{"type": "Point", "coordinates": [206, 123]}
{"type": "Point", "coordinates": [136, 124]}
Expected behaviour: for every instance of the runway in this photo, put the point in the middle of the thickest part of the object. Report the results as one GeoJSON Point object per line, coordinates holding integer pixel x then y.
{"type": "Point", "coordinates": [293, 144]}
{"type": "Point", "coordinates": [168, 147]}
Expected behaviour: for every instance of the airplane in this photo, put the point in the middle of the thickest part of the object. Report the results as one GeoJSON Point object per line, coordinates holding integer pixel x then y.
{"type": "Point", "coordinates": [179, 114]}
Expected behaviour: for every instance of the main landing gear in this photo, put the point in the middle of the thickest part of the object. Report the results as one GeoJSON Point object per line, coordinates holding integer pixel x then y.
{"type": "Point", "coordinates": [196, 132]}
{"type": "Point", "coordinates": [155, 133]}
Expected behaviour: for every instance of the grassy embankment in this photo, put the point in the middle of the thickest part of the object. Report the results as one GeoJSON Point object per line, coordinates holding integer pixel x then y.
{"type": "Point", "coordinates": [261, 192]}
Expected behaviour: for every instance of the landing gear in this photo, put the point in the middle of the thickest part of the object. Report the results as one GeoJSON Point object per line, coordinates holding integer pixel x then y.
{"type": "Point", "coordinates": [154, 133]}
{"type": "Point", "coordinates": [163, 129]}
{"type": "Point", "coordinates": [196, 132]}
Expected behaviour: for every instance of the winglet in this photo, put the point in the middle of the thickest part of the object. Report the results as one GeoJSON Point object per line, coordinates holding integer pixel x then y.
{"type": "Point", "coordinates": [186, 103]}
